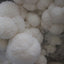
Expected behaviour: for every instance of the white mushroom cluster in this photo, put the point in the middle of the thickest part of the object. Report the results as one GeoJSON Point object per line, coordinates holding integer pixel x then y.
{"type": "Point", "coordinates": [30, 30]}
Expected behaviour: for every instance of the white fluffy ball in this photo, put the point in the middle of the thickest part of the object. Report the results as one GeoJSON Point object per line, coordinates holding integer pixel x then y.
{"type": "Point", "coordinates": [8, 29]}
{"type": "Point", "coordinates": [9, 9]}
{"type": "Point", "coordinates": [3, 44]}
{"type": "Point", "coordinates": [46, 18]}
{"type": "Point", "coordinates": [23, 49]}
{"type": "Point", "coordinates": [33, 19]}
{"type": "Point", "coordinates": [29, 7]}
{"type": "Point", "coordinates": [35, 32]}
{"type": "Point", "coordinates": [43, 4]}
{"type": "Point", "coordinates": [19, 21]}
{"type": "Point", "coordinates": [42, 60]}
{"type": "Point", "coordinates": [56, 14]}
{"type": "Point", "coordinates": [56, 29]}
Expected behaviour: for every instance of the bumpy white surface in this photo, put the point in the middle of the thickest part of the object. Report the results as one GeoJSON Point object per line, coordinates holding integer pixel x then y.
{"type": "Point", "coordinates": [42, 60]}
{"type": "Point", "coordinates": [29, 7]}
{"type": "Point", "coordinates": [56, 29]}
{"type": "Point", "coordinates": [35, 32]}
{"type": "Point", "coordinates": [3, 44]}
{"type": "Point", "coordinates": [33, 19]}
{"type": "Point", "coordinates": [56, 14]}
{"type": "Point", "coordinates": [19, 21]}
{"type": "Point", "coordinates": [9, 9]}
{"type": "Point", "coordinates": [8, 29]}
{"type": "Point", "coordinates": [43, 4]}
{"type": "Point", "coordinates": [46, 18]}
{"type": "Point", "coordinates": [23, 49]}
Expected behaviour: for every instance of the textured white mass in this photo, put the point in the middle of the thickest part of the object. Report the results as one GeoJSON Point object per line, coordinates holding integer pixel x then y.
{"type": "Point", "coordinates": [46, 18]}
{"type": "Point", "coordinates": [35, 32]}
{"type": "Point", "coordinates": [3, 44]}
{"type": "Point", "coordinates": [56, 29]}
{"type": "Point", "coordinates": [42, 60]}
{"type": "Point", "coordinates": [29, 7]}
{"type": "Point", "coordinates": [23, 49]}
{"type": "Point", "coordinates": [56, 14]}
{"type": "Point", "coordinates": [59, 3]}
{"type": "Point", "coordinates": [33, 19]}
{"type": "Point", "coordinates": [20, 23]}
{"type": "Point", "coordinates": [8, 9]}
{"type": "Point", "coordinates": [8, 29]}
{"type": "Point", "coordinates": [43, 4]}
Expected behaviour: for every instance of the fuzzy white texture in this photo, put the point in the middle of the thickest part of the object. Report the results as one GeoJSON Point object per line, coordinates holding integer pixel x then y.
{"type": "Point", "coordinates": [59, 3]}
{"type": "Point", "coordinates": [20, 23]}
{"type": "Point", "coordinates": [53, 39]}
{"type": "Point", "coordinates": [56, 29]}
{"type": "Point", "coordinates": [35, 32]}
{"type": "Point", "coordinates": [43, 4]}
{"type": "Point", "coordinates": [3, 44]}
{"type": "Point", "coordinates": [8, 29]}
{"type": "Point", "coordinates": [33, 19]}
{"type": "Point", "coordinates": [23, 12]}
{"type": "Point", "coordinates": [46, 22]}
{"type": "Point", "coordinates": [23, 49]}
{"type": "Point", "coordinates": [29, 7]}
{"type": "Point", "coordinates": [42, 60]}
{"type": "Point", "coordinates": [57, 14]}
{"type": "Point", "coordinates": [46, 18]}
{"type": "Point", "coordinates": [50, 49]}
{"type": "Point", "coordinates": [8, 9]}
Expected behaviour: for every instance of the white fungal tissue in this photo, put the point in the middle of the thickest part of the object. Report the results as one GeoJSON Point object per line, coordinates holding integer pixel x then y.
{"type": "Point", "coordinates": [23, 48]}
{"type": "Point", "coordinates": [9, 9]}
{"type": "Point", "coordinates": [8, 29]}
{"type": "Point", "coordinates": [19, 21]}
{"type": "Point", "coordinates": [35, 32]}
{"type": "Point", "coordinates": [30, 31]}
